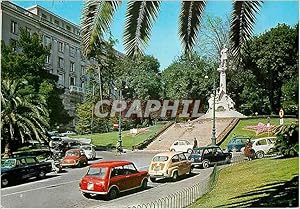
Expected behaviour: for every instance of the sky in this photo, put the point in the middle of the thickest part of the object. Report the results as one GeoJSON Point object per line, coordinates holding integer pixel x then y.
{"type": "Point", "coordinates": [164, 43]}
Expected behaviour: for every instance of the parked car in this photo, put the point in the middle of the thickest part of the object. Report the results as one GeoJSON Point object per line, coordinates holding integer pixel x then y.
{"type": "Point", "coordinates": [169, 165]}
{"type": "Point", "coordinates": [262, 146]}
{"type": "Point", "coordinates": [89, 151]}
{"type": "Point", "coordinates": [67, 133]}
{"type": "Point", "coordinates": [74, 157]}
{"type": "Point", "coordinates": [112, 177]}
{"type": "Point", "coordinates": [21, 168]}
{"type": "Point", "coordinates": [207, 156]}
{"type": "Point", "coordinates": [182, 146]}
{"type": "Point", "coordinates": [236, 143]}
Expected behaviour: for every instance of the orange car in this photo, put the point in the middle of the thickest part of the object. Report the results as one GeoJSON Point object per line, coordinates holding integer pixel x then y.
{"type": "Point", "coordinates": [74, 157]}
{"type": "Point", "coordinates": [112, 177]}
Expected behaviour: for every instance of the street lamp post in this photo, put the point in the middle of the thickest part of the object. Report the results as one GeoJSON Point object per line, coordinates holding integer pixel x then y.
{"type": "Point", "coordinates": [213, 133]}
{"type": "Point", "coordinates": [119, 145]}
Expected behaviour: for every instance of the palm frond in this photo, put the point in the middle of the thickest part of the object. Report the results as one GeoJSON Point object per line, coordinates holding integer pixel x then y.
{"type": "Point", "coordinates": [140, 16]}
{"type": "Point", "coordinates": [242, 23]}
{"type": "Point", "coordinates": [189, 22]}
{"type": "Point", "coordinates": [95, 21]}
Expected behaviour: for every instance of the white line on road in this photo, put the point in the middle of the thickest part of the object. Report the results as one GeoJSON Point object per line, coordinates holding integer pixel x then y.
{"type": "Point", "coordinates": [44, 187]}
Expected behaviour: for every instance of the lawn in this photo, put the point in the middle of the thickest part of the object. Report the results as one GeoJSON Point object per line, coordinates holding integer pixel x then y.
{"type": "Point", "coordinates": [128, 140]}
{"type": "Point", "coordinates": [239, 129]}
{"type": "Point", "coordinates": [258, 183]}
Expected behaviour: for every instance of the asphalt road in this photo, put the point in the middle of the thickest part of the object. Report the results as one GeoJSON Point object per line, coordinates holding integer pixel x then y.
{"type": "Point", "coordinates": [62, 190]}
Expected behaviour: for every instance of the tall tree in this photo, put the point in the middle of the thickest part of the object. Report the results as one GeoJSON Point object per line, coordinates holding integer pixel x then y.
{"type": "Point", "coordinates": [23, 113]}
{"type": "Point", "coordinates": [26, 60]}
{"type": "Point", "coordinates": [273, 58]}
{"type": "Point", "coordinates": [140, 16]}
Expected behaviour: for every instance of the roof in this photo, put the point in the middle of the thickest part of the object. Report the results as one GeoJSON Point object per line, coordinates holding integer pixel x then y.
{"type": "Point", "coordinates": [211, 146]}
{"type": "Point", "coordinates": [169, 154]}
{"type": "Point", "coordinates": [111, 163]}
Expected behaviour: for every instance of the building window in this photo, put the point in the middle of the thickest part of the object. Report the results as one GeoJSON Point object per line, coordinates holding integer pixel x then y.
{"type": "Point", "coordinates": [72, 66]}
{"type": "Point", "coordinates": [56, 22]}
{"type": "Point", "coordinates": [61, 78]}
{"type": "Point", "coordinates": [61, 62]}
{"type": "Point", "coordinates": [44, 16]}
{"type": "Point", "coordinates": [68, 28]}
{"type": "Point", "coordinates": [47, 40]}
{"type": "Point", "coordinates": [13, 27]}
{"type": "Point", "coordinates": [47, 59]}
{"type": "Point", "coordinates": [72, 81]}
{"type": "Point", "coordinates": [72, 51]}
{"type": "Point", "coordinates": [60, 46]}
{"type": "Point", "coordinates": [82, 85]}
{"type": "Point", "coordinates": [13, 44]}
{"type": "Point", "coordinates": [28, 30]}
{"type": "Point", "coordinates": [82, 70]}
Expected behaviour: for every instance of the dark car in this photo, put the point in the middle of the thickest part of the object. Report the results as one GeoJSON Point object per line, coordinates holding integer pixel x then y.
{"type": "Point", "coordinates": [236, 143]}
{"type": "Point", "coordinates": [21, 168]}
{"type": "Point", "coordinates": [207, 156]}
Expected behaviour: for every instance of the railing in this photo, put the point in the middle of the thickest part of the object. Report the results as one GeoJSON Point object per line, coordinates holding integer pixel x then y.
{"type": "Point", "coordinates": [184, 197]}
{"type": "Point", "coordinates": [76, 89]}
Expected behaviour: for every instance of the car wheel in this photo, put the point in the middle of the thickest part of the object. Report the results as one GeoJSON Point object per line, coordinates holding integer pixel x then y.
{"type": "Point", "coordinates": [86, 195]}
{"type": "Point", "coordinates": [260, 154]}
{"type": "Point", "coordinates": [228, 160]}
{"type": "Point", "coordinates": [172, 150]}
{"type": "Point", "coordinates": [42, 174]}
{"type": "Point", "coordinates": [153, 179]}
{"type": "Point", "coordinates": [113, 193]}
{"type": "Point", "coordinates": [191, 169]}
{"type": "Point", "coordinates": [144, 184]}
{"type": "Point", "coordinates": [205, 164]}
{"type": "Point", "coordinates": [4, 181]}
{"type": "Point", "coordinates": [189, 151]}
{"type": "Point", "coordinates": [175, 176]}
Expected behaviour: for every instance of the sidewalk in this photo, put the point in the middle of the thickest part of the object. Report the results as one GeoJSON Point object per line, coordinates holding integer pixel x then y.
{"type": "Point", "coordinates": [163, 190]}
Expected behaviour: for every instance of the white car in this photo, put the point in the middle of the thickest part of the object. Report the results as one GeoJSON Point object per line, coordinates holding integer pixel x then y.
{"type": "Point", "coordinates": [182, 146]}
{"type": "Point", "coordinates": [262, 146]}
{"type": "Point", "coordinates": [89, 151]}
{"type": "Point", "coordinates": [68, 133]}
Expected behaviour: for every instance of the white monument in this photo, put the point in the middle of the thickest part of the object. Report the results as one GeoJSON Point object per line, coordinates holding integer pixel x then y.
{"type": "Point", "coordinates": [224, 105]}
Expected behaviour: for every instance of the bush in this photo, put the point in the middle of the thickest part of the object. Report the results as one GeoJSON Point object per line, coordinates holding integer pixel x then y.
{"type": "Point", "coordinates": [287, 142]}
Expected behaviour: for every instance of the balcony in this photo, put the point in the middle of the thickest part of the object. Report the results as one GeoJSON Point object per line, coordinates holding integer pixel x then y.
{"type": "Point", "coordinates": [76, 89]}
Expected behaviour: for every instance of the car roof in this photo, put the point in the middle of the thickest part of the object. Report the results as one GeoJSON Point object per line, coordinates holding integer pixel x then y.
{"type": "Point", "coordinates": [112, 163]}
{"type": "Point", "coordinates": [270, 137]}
{"type": "Point", "coordinates": [169, 154]}
{"type": "Point", "coordinates": [207, 147]}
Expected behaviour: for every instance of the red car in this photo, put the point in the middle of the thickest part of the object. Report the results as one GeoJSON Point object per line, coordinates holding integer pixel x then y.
{"type": "Point", "coordinates": [112, 177]}
{"type": "Point", "coordinates": [74, 157]}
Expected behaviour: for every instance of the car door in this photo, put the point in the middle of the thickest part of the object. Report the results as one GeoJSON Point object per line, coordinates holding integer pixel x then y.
{"type": "Point", "coordinates": [261, 145]}
{"type": "Point", "coordinates": [21, 169]}
{"type": "Point", "coordinates": [133, 177]}
{"type": "Point", "coordinates": [208, 154]}
{"type": "Point", "coordinates": [219, 155]}
{"type": "Point", "coordinates": [181, 146]}
{"type": "Point", "coordinates": [175, 163]}
{"type": "Point", "coordinates": [118, 178]}
{"type": "Point", "coordinates": [31, 166]}
{"type": "Point", "coordinates": [184, 165]}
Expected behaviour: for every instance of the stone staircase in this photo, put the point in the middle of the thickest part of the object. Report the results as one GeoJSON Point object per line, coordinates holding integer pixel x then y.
{"type": "Point", "coordinates": [199, 128]}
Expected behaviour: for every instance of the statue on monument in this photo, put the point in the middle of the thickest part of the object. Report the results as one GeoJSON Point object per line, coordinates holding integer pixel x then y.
{"type": "Point", "coordinates": [223, 57]}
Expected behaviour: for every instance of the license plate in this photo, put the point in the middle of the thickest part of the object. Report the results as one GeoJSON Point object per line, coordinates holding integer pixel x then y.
{"type": "Point", "coordinates": [90, 186]}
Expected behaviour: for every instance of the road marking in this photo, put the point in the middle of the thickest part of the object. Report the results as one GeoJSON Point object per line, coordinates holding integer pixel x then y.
{"type": "Point", "coordinates": [44, 187]}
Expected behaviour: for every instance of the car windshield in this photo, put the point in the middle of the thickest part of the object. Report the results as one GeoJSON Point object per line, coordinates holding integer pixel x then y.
{"type": "Point", "coordinates": [9, 163]}
{"type": "Point", "coordinates": [86, 148]}
{"type": "Point", "coordinates": [97, 171]}
{"type": "Point", "coordinates": [197, 151]}
{"type": "Point", "coordinates": [160, 158]}
{"type": "Point", "coordinates": [72, 153]}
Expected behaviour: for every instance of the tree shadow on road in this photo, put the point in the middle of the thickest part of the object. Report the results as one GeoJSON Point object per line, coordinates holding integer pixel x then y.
{"type": "Point", "coordinates": [277, 194]}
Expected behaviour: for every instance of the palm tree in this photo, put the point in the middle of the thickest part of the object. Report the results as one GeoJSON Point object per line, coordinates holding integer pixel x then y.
{"type": "Point", "coordinates": [23, 115]}
{"type": "Point", "coordinates": [140, 16]}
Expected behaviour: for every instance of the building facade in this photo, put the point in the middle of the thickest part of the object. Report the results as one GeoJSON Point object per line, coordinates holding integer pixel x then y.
{"type": "Point", "coordinates": [65, 59]}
